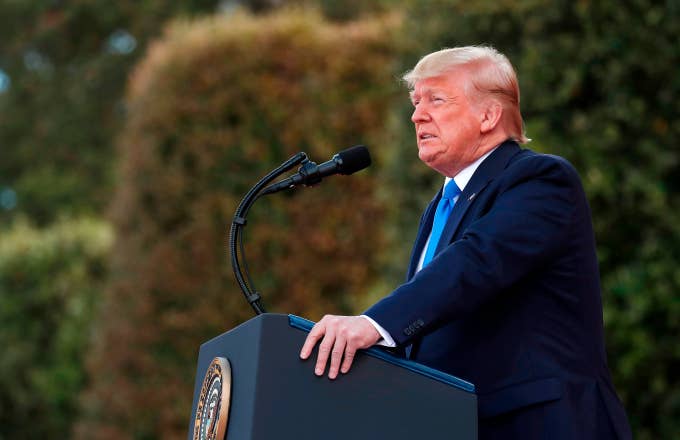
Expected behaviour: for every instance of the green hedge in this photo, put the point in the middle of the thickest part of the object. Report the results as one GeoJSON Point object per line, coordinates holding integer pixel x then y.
{"type": "Point", "coordinates": [50, 283]}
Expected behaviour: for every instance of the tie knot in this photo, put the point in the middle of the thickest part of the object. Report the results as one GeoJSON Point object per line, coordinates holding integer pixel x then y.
{"type": "Point", "coordinates": [451, 190]}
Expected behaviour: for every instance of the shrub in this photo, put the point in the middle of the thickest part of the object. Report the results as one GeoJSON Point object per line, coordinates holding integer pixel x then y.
{"type": "Point", "coordinates": [50, 283]}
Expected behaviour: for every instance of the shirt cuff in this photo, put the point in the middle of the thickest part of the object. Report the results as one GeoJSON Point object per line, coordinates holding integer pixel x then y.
{"type": "Point", "coordinates": [386, 340]}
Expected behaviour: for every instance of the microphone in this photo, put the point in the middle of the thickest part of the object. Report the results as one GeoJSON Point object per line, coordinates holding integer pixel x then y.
{"type": "Point", "coordinates": [346, 162]}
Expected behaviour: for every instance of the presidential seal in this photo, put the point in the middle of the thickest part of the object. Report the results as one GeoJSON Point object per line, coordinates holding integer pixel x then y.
{"type": "Point", "coordinates": [212, 412]}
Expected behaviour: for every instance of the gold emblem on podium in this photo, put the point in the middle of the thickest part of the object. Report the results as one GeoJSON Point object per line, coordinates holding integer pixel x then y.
{"type": "Point", "coordinates": [212, 412]}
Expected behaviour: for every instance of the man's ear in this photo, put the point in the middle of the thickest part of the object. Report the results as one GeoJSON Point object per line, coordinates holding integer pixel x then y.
{"type": "Point", "coordinates": [490, 115]}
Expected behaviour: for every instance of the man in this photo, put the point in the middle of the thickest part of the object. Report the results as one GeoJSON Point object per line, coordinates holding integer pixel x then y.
{"type": "Point", "coordinates": [503, 286]}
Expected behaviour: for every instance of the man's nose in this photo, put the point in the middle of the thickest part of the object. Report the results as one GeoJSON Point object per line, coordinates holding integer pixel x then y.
{"type": "Point", "coordinates": [419, 114]}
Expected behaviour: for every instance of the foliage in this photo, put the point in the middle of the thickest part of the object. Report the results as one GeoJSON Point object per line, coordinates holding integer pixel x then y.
{"type": "Point", "coordinates": [216, 103]}
{"type": "Point", "coordinates": [601, 89]}
{"type": "Point", "coordinates": [67, 64]}
{"type": "Point", "coordinates": [49, 283]}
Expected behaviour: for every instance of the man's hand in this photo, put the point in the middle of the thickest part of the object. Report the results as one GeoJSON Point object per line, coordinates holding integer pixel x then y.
{"type": "Point", "coordinates": [342, 337]}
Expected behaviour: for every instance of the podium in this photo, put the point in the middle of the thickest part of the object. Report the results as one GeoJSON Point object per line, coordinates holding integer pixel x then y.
{"type": "Point", "coordinates": [275, 395]}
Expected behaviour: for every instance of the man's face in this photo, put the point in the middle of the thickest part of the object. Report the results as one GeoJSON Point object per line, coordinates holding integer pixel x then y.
{"type": "Point", "coordinates": [447, 123]}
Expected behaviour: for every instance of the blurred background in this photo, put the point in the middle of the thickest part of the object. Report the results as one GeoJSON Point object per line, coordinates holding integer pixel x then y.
{"type": "Point", "coordinates": [130, 130]}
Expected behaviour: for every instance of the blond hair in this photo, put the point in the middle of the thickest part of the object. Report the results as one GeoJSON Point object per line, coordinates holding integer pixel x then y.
{"type": "Point", "coordinates": [491, 74]}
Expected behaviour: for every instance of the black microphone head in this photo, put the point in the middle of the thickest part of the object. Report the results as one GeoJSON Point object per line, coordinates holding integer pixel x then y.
{"type": "Point", "coordinates": [353, 159]}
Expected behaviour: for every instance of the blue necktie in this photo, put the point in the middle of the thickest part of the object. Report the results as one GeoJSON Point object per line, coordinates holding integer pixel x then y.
{"type": "Point", "coordinates": [441, 215]}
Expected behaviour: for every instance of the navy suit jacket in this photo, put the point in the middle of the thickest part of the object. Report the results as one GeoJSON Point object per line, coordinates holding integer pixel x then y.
{"type": "Point", "coordinates": [511, 302]}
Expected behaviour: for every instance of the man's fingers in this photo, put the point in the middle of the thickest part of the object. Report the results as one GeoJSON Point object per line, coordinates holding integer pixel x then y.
{"type": "Point", "coordinates": [339, 338]}
{"type": "Point", "coordinates": [336, 356]}
{"type": "Point", "coordinates": [325, 348]}
{"type": "Point", "coordinates": [349, 358]}
{"type": "Point", "coordinates": [313, 337]}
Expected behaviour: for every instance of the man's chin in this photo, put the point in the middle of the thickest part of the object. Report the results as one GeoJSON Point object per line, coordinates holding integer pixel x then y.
{"type": "Point", "coordinates": [428, 157]}
{"type": "Point", "coordinates": [434, 161]}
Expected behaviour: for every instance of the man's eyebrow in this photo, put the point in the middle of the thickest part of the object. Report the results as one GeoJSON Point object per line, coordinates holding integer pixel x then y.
{"type": "Point", "coordinates": [428, 92]}
{"type": "Point", "coordinates": [422, 92]}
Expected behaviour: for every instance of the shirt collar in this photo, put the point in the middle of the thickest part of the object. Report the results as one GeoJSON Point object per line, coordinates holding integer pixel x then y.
{"type": "Point", "coordinates": [466, 173]}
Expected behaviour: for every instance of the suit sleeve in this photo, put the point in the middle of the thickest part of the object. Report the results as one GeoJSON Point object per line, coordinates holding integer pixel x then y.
{"type": "Point", "coordinates": [521, 231]}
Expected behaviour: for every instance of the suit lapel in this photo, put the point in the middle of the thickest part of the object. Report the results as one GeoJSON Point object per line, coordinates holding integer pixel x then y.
{"type": "Point", "coordinates": [487, 170]}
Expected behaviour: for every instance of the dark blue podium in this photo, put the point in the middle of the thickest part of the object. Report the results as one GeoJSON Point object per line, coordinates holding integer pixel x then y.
{"type": "Point", "coordinates": [275, 394]}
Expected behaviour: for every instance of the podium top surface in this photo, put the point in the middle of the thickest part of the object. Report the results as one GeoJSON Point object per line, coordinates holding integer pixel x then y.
{"type": "Point", "coordinates": [306, 325]}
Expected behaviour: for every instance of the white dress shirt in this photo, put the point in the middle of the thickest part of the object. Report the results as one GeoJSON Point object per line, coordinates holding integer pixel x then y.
{"type": "Point", "coordinates": [461, 180]}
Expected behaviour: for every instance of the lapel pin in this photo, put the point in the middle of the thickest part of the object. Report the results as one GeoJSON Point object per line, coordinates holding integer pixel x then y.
{"type": "Point", "coordinates": [472, 197]}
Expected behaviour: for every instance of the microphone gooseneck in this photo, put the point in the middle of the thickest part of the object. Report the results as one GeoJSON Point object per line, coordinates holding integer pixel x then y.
{"type": "Point", "coordinates": [345, 162]}
{"type": "Point", "coordinates": [239, 222]}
